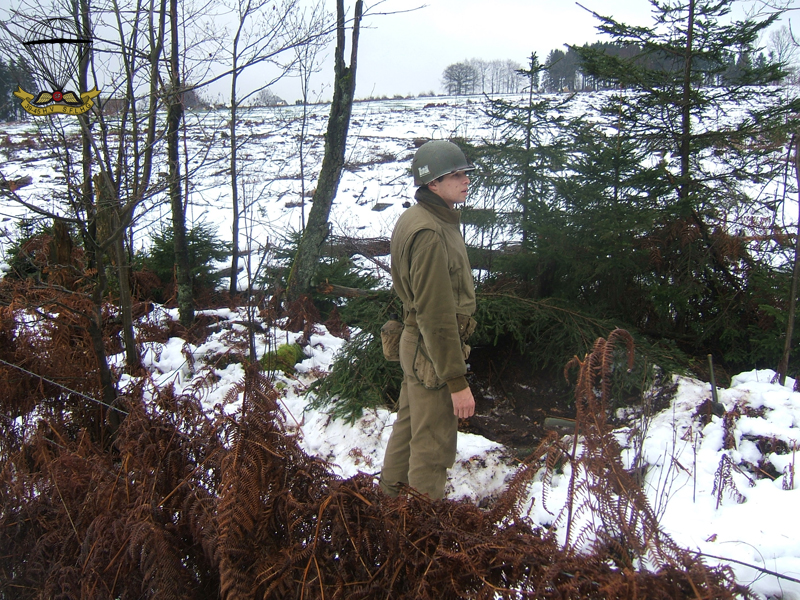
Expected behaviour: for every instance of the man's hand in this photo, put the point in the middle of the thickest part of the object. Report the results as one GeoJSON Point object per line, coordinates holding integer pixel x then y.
{"type": "Point", "coordinates": [463, 403]}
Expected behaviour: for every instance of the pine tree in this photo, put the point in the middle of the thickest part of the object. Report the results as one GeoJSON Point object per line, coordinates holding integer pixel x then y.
{"type": "Point", "coordinates": [610, 202]}
{"type": "Point", "coordinates": [519, 173]}
{"type": "Point", "coordinates": [707, 156]}
{"type": "Point", "coordinates": [6, 90]}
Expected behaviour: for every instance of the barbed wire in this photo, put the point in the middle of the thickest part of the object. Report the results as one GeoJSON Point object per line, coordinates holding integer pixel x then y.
{"type": "Point", "coordinates": [50, 381]}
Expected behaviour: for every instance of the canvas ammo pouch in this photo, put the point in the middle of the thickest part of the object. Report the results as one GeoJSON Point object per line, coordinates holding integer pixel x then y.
{"type": "Point", "coordinates": [390, 340]}
{"type": "Point", "coordinates": [466, 327]}
{"type": "Point", "coordinates": [423, 368]}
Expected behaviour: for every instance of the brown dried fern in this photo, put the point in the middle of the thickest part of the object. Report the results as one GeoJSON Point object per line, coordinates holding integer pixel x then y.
{"type": "Point", "coordinates": [624, 526]}
{"type": "Point", "coordinates": [723, 481]}
{"type": "Point", "coordinates": [197, 505]}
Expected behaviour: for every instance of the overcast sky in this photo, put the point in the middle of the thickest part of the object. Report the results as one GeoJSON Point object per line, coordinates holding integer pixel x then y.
{"type": "Point", "coordinates": [406, 53]}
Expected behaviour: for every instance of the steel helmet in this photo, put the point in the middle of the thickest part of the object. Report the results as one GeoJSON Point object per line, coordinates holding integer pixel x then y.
{"type": "Point", "coordinates": [437, 158]}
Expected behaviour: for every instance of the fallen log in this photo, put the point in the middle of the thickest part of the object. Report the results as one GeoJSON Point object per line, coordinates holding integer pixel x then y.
{"type": "Point", "coordinates": [340, 246]}
{"type": "Point", "coordinates": [331, 289]}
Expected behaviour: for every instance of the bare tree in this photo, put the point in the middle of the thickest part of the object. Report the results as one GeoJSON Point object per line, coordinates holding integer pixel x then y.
{"type": "Point", "coordinates": [108, 173]}
{"type": "Point", "coordinates": [174, 95]}
{"type": "Point", "coordinates": [459, 78]}
{"type": "Point", "coordinates": [784, 47]}
{"type": "Point", "coordinates": [497, 70]}
{"type": "Point", "coordinates": [477, 76]}
{"type": "Point", "coordinates": [267, 97]}
{"type": "Point", "coordinates": [308, 252]}
{"type": "Point", "coordinates": [265, 31]}
{"type": "Point", "coordinates": [513, 81]}
{"type": "Point", "coordinates": [481, 68]}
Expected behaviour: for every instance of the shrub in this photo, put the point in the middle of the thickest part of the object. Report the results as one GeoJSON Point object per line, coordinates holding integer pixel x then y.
{"type": "Point", "coordinates": [550, 333]}
{"type": "Point", "coordinates": [341, 271]}
{"type": "Point", "coordinates": [40, 247]}
{"type": "Point", "coordinates": [205, 249]}
{"type": "Point", "coordinates": [360, 376]}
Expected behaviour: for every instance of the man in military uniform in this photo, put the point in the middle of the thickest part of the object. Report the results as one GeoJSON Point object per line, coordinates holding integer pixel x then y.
{"type": "Point", "coordinates": [433, 278]}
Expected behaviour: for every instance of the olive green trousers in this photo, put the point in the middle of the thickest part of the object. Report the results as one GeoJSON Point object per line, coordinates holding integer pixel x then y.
{"type": "Point", "coordinates": [423, 442]}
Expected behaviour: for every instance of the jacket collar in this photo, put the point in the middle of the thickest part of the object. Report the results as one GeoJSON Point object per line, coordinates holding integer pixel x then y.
{"type": "Point", "coordinates": [437, 206]}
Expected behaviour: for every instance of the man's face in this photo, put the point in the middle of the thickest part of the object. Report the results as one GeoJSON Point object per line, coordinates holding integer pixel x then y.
{"type": "Point", "coordinates": [452, 188]}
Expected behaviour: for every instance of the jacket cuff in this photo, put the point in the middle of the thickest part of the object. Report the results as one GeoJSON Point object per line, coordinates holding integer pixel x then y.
{"type": "Point", "coordinates": [457, 384]}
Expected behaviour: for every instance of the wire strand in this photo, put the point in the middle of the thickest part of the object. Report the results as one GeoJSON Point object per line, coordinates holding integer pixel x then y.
{"type": "Point", "coordinates": [82, 395]}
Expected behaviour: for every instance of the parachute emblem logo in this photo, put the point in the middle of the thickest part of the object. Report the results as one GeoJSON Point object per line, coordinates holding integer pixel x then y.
{"type": "Point", "coordinates": [56, 49]}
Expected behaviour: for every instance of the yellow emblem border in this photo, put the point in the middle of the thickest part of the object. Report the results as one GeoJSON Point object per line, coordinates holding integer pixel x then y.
{"type": "Point", "coordinates": [40, 111]}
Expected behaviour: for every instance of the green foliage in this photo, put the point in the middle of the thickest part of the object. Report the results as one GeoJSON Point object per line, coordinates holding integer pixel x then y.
{"type": "Point", "coordinates": [550, 333]}
{"type": "Point", "coordinates": [360, 376]}
{"type": "Point", "coordinates": [645, 215]}
{"type": "Point", "coordinates": [6, 90]}
{"type": "Point", "coordinates": [284, 358]}
{"type": "Point", "coordinates": [345, 272]}
{"type": "Point", "coordinates": [341, 271]}
{"type": "Point", "coordinates": [756, 337]}
{"type": "Point", "coordinates": [519, 180]}
{"type": "Point", "coordinates": [14, 74]}
{"type": "Point", "coordinates": [22, 254]}
{"type": "Point", "coordinates": [562, 68]}
{"type": "Point", "coordinates": [205, 248]}
{"type": "Point", "coordinates": [547, 330]}
{"type": "Point", "coordinates": [369, 313]}
{"type": "Point", "coordinates": [683, 270]}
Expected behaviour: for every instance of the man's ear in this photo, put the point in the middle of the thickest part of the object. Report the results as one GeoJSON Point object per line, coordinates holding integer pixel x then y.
{"type": "Point", "coordinates": [434, 186]}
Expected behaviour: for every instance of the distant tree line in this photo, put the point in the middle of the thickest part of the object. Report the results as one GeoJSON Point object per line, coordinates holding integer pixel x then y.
{"type": "Point", "coordinates": [476, 76]}
{"type": "Point", "coordinates": [564, 70]}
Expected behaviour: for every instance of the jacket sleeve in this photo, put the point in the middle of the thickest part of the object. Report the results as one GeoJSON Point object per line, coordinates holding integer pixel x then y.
{"type": "Point", "coordinates": [436, 308]}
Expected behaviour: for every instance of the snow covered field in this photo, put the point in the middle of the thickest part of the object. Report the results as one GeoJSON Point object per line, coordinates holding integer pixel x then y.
{"type": "Point", "coordinates": [375, 183]}
{"type": "Point", "coordinates": [753, 524]}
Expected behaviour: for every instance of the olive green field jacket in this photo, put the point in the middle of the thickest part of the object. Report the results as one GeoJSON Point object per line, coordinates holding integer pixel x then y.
{"type": "Point", "coordinates": [433, 278]}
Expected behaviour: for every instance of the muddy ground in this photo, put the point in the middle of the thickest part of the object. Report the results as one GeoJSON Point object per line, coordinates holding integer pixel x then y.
{"type": "Point", "coordinates": [513, 400]}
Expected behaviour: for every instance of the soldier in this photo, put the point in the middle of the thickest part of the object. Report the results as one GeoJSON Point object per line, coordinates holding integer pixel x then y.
{"type": "Point", "coordinates": [433, 278]}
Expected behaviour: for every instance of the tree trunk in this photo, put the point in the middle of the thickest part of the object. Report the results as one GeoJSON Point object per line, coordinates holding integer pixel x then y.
{"type": "Point", "coordinates": [83, 22]}
{"type": "Point", "coordinates": [686, 109]}
{"type": "Point", "coordinates": [783, 366]}
{"type": "Point", "coordinates": [109, 200]}
{"type": "Point", "coordinates": [174, 115]}
{"type": "Point", "coordinates": [109, 420]}
{"type": "Point", "coordinates": [132, 359]}
{"type": "Point", "coordinates": [316, 230]}
{"type": "Point", "coordinates": [108, 217]}
{"type": "Point", "coordinates": [526, 185]}
{"type": "Point", "coordinates": [234, 174]}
